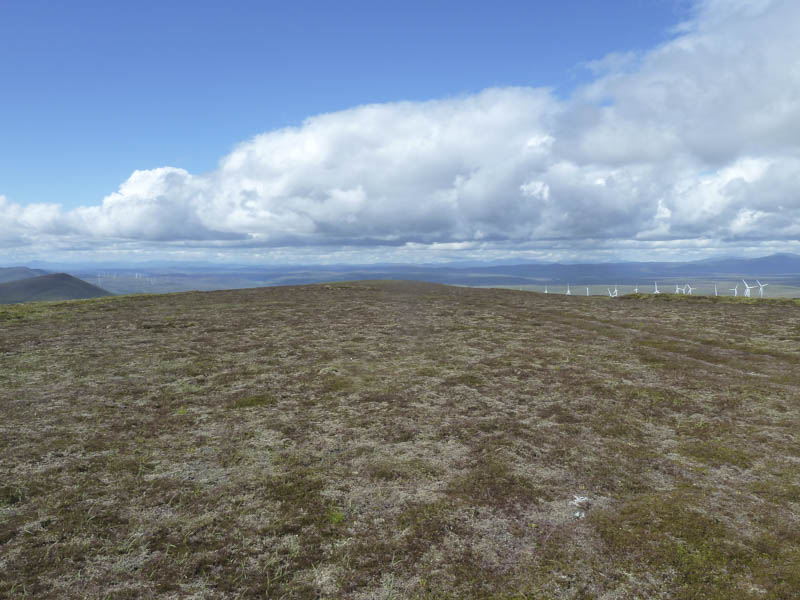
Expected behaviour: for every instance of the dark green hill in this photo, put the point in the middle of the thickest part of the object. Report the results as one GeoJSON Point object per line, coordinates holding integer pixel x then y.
{"type": "Point", "coordinates": [56, 286]}
{"type": "Point", "coordinates": [16, 273]}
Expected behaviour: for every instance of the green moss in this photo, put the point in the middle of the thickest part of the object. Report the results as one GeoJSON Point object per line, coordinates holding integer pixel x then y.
{"type": "Point", "coordinates": [334, 515]}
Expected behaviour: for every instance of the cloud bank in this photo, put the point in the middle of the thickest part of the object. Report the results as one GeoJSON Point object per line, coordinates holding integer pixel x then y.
{"type": "Point", "coordinates": [694, 142]}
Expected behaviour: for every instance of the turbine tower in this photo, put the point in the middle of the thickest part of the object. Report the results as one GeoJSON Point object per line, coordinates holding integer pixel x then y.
{"type": "Point", "coordinates": [735, 290]}
{"type": "Point", "coordinates": [568, 292]}
{"type": "Point", "coordinates": [761, 287]}
{"type": "Point", "coordinates": [587, 290]}
{"type": "Point", "coordinates": [655, 285]}
{"type": "Point", "coordinates": [545, 289]}
{"type": "Point", "coordinates": [747, 288]}
{"type": "Point", "coordinates": [678, 289]}
{"type": "Point", "coordinates": [688, 287]}
{"type": "Point", "coordinates": [715, 290]}
{"type": "Point", "coordinates": [636, 289]}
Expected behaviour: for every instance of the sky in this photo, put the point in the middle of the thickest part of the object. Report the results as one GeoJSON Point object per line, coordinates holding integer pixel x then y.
{"type": "Point", "coordinates": [383, 131]}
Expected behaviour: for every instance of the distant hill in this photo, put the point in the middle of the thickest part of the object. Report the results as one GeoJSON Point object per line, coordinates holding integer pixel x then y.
{"type": "Point", "coordinates": [775, 264]}
{"type": "Point", "coordinates": [55, 286]}
{"type": "Point", "coordinates": [17, 273]}
{"type": "Point", "coordinates": [777, 270]}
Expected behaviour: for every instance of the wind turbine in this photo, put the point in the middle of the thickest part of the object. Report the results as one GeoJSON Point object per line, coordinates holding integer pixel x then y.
{"type": "Point", "coordinates": [610, 295]}
{"type": "Point", "coordinates": [636, 289]}
{"type": "Point", "coordinates": [679, 289]}
{"type": "Point", "coordinates": [690, 288]}
{"type": "Point", "coordinates": [545, 289]}
{"type": "Point", "coordinates": [568, 292]}
{"type": "Point", "coordinates": [747, 289]}
{"type": "Point", "coordinates": [655, 284]}
{"type": "Point", "coordinates": [735, 290]}
{"type": "Point", "coordinates": [587, 290]}
{"type": "Point", "coordinates": [616, 293]}
{"type": "Point", "coordinates": [761, 287]}
{"type": "Point", "coordinates": [715, 290]}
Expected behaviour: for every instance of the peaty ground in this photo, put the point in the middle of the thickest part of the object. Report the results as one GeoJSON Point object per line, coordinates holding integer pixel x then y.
{"type": "Point", "coordinates": [399, 440]}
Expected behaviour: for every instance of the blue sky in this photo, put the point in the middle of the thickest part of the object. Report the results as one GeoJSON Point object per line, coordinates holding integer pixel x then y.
{"type": "Point", "coordinates": [95, 90]}
{"type": "Point", "coordinates": [118, 121]}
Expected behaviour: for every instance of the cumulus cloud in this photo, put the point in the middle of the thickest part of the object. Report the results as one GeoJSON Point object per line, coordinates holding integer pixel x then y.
{"type": "Point", "coordinates": [400, 171]}
{"type": "Point", "coordinates": [164, 204]}
{"type": "Point", "coordinates": [696, 139]}
{"type": "Point", "coordinates": [25, 224]}
{"type": "Point", "coordinates": [726, 87]}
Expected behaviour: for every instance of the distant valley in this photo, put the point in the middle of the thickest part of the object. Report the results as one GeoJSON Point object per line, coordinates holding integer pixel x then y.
{"type": "Point", "coordinates": [780, 271]}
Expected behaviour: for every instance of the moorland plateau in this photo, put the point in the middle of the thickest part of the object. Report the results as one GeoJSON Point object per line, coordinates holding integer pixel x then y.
{"type": "Point", "coordinates": [400, 440]}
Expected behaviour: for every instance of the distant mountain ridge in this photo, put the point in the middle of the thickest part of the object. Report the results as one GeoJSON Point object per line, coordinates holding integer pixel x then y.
{"type": "Point", "coordinates": [781, 269]}
{"type": "Point", "coordinates": [774, 264]}
{"type": "Point", "coordinates": [16, 273]}
{"type": "Point", "coordinates": [53, 286]}
{"type": "Point", "coordinates": [785, 265]}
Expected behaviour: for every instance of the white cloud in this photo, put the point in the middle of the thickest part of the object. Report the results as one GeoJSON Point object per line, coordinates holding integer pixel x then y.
{"type": "Point", "coordinates": [157, 205]}
{"type": "Point", "coordinates": [20, 225]}
{"type": "Point", "coordinates": [727, 87]}
{"type": "Point", "coordinates": [697, 139]}
{"type": "Point", "coordinates": [400, 171]}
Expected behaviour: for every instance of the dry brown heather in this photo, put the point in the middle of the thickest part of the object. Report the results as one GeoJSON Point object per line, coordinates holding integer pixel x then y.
{"type": "Point", "coordinates": [399, 440]}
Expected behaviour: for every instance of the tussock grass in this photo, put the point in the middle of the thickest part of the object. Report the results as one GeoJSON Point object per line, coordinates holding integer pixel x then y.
{"type": "Point", "coordinates": [399, 440]}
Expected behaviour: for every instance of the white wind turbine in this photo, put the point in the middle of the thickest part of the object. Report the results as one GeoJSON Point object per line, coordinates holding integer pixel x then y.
{"type": "Point", "coordinates": [636, 289]}
{"type": "Point", "coordinates": [587, 290]}
{"type": "Point", "coordinates": [715, 290]}
{"type": "Point", "coordinates": [678, 289]}
{"type": "Point", "coordinates": [616, 293]}
{"type": "Point", "coordinates": [688, 287]}
{"type": "Point", "coordinates": [545, 289]}
{"type": "Point", "coordinates": [747, 289]}
{"type": "Point", "coordinates": [655, 285]}
{"type": "Point", "coordinates": [568, 292]}
{"type": "Point", "coordinates": [610, 295]}
{"type": "Point", "coordinates": [761, 287]}
{"type": "Point", "coordinates": [735, 290]}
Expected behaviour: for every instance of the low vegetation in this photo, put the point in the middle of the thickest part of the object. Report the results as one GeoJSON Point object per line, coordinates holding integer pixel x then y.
{"type": "Point", "coordinates": [399, 440]}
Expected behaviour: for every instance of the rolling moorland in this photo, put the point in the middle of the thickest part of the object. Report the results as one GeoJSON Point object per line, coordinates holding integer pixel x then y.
{"type": "Point", "coordinates": [400, 440]}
